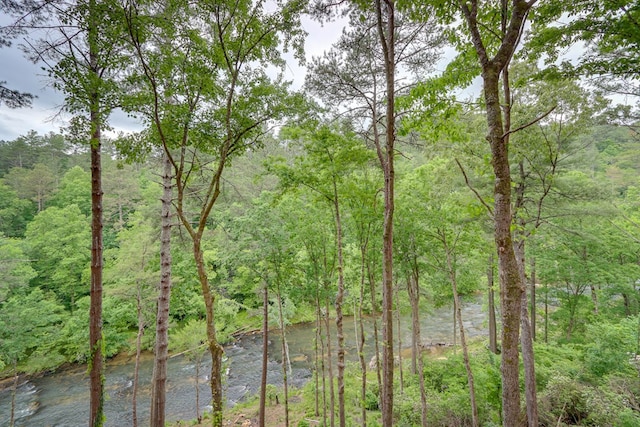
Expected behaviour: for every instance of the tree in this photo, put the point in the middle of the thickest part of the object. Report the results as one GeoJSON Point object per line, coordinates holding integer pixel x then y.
{"type": "Point", "coordinates": [362, 77]}
{"type": "Point", "coordinates": [207, 101]}
{"type": "Point", "coordinates": [80, 53]}
{"type": "Point", "coordinates": [330, 155]}
{"type": "Point", "coordinates": [494, 42]}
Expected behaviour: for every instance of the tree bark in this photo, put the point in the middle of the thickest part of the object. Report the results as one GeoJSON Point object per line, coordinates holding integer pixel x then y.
{"type": "Point", "coordinates": [386, 32]}
{"type": "Point", "coordinates": [215, 349]}
{"type": "Point", "coordinates": [96, 375]}
{"type": "Point", "coordinates": [285, 358]}
{"type": "Point", "coordinates": [511, 286]}
{"type": "Point", "coordinates": [463, 340]}
{"type": "Point", "coordinates": [533, 299]}
{"type": "Point", "coordinates": [416, 349]}
{"type": "Point", "coordinates": [158, 388]}
{"type": "Point", "coordinates": [136, 369]}
{"type": "Point", "coordinates": [361, 340]}
{"type": "Point", "coordinates": [526, 339]}
{"type": "Point", "coordinates": [265, 354]}
{"type": "Point", "coordinates": [399, 329]}
{"type": "Point", "coordinates": [332, 396]}
{"type": "Point", "coordinates": [338, 305]}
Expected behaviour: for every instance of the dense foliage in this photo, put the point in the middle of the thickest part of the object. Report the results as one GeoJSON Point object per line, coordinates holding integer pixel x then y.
{"type": "Point", "coordinates": [269, 228]}
{"type": "Point", "coordinates": [386, 201]}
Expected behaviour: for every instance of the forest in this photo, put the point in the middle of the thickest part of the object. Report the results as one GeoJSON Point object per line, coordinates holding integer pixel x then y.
{"type": "Point", "coordinates": [439, 152]}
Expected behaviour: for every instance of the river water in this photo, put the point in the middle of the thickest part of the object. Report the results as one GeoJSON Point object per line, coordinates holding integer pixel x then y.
{"type": "Point", "coordinates": [61, 399]}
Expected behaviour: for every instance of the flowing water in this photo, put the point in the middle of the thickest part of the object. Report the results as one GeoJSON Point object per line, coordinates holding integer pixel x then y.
{"type": "Point", "coordinates": [62, 398]}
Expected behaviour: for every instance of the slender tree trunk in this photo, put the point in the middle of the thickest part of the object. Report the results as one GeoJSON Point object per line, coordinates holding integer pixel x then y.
{"type": "Point", "coordinates": [198, 362]}
{"type": "Point", "coordinates": [455, 332]}
{"type": "Point", "coordinates": [386, 29]}
{"type": "Point", "coordinates": [493, 327]}
{"type": "Point", "coordinates": [96, 375]}
{"type": "Point", "coordinates": [546, 313]}
{"type": "Point", "coordinates": [526, 339]}
{"type": "Point", "coordinates": [594, 299]}
{"type": "Point", "coordinates": [463, 340]}
{"type": "Point", "coordinates": [158, 387]}
{"type": "Point", "coordinates": [332, 396]}
{"type": "Point", "coordinates": [338, 305]}
{"type": "Point", "coordinates": [374, 310]}
{"type": "Point", "coordinates": [215, 349]}
{"type": "Point", "coordinates": [416, 353]}
{"type": "Point", "coordinates": [285, 358]}
{"type": "Point", "coordinates": [533, 299]}
{"type": "Point", "coordinates": [361, 340]}
{"type": "Point", "coordinates": [322, 365]}
{"type": "Point", "coordinates": [265, 354]}
{"type": "Point", "coordinates": [136, 369]}
{"type": "Point", "coordinates": [397, 310]}
{"type": "Point", "coordinates": [415, 322]}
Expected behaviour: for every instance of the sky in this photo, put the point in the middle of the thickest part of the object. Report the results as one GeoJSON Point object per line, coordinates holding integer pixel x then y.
{"type": "Point", "coordinates": [43, 116]}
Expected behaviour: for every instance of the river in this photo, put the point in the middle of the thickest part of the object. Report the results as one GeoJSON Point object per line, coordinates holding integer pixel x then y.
{"type": "Point", "coordinates": [61, 399]}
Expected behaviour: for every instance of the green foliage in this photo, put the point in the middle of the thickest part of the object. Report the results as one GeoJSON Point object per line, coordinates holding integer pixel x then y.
{"type": "Point", "coordinates": [611, 347]}
{"type": "Point", "coordinates": [59, 243]}
{"type": "Point", "coordinates": [15, 213]}
{"type": "Point", "coordinates": [190, 339]}
{"type": "Point", "coordinates": [30, 330]}
{"type": "Point", "coordinates": [74, 189]}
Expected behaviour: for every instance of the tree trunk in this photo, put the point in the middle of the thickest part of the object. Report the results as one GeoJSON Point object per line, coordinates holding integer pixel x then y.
{"type": "Point", "coordinates": [511, 286]}
{"type": "Point", "coordinates": [397, 310]}
{"type": "Point", "coordinates": [158, 387]}
{"type": "Point", "coordinates": [533, 299]}
{"type": "Point", "coordinates": [96, 375]}
{"type": "Point", "coordinates": [416, 349]}
{"type": "Point", "coordinates": [415, 323]}
{"type": "Point", "coordinates": [361, 340]}
{"type": "Point", "coordinates": [332, 396]}
{"type": "Point", "coordinates": [493, 327]}
{"type": "Point", "coordinates": [322, 367]}
{"type": "Point", "coordinates": [463, 340]}
{"type": "Point", "coordinates": [136, 369]}
{"type": "Point", "coordinates": [376, 338]}
{"type": "Point", "coordinates": [546, 313]}
{"type": "Point", "coordinates": [198, 362]}
{"type": "Point", "coordinates": [386, 31]}
{"type": "Point", "coordinates": [338, 305]}
{"type": "Point", "coordinates": [285, 359]}
{"type": "Point", "coordinates": [215, 349]}
{"type": "Point", "coordinates": [594, 299]}
{"type": "Point", "coordinates": [526, 339]}
{"type": "Point", "coordinates": [265, 354]}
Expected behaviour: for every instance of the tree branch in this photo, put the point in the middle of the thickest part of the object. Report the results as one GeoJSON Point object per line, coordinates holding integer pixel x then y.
{"type": "Point", "coordinates": [531, 123]}
{"type": "Point", "coordinates": [466, 180]}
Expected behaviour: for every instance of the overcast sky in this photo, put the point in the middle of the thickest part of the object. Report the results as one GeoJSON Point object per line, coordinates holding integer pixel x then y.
{"type": "Point", "coordinates": [20, 74]}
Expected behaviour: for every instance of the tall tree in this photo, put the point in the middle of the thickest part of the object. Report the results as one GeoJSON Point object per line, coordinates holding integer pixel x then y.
{"type": "Point", "coordinates": [79, 51]}
{"type": "Point", "coordinates": [495, 32]}
{"type": "Point", "coordinates": [360, 75]}
{"type": "Point", "coordinates": [208, 100]}
{"type": "Point", "coordinates": [329, 155]}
